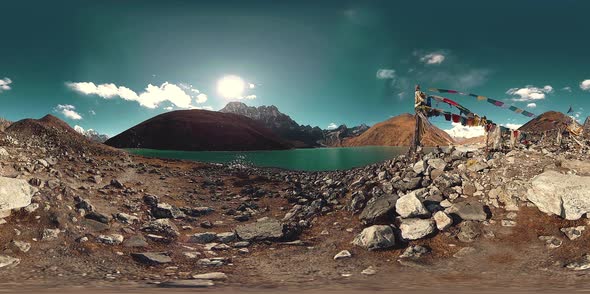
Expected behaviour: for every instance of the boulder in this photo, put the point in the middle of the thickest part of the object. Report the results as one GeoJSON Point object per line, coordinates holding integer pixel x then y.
{"type": "Point", "coordinates": [375, 237]}
{"type": "Point", "coordinates": [468, 210]}
{"type": "Point", "coordinates": [419, 167]}
{"type": "Point", "coordinates": [165, 210]}
{"type": "Point", "coordinates": [415, 228]}
{"type": "Point", "coordinates": [378, 209]}
{"type": "Point", "coordinates": [112, 239]}
{"type": "Point", "coordinates": [265, 229]}
{"type": "Point", "coordinates": [567, 196]}
{"type": "Point", "coordinates": [410, 206]}
{"type": "Point", "coordinates": [214, 276]}
{"type": "Point", "coordinates": [15, 193]}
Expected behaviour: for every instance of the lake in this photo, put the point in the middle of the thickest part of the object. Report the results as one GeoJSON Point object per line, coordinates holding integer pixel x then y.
{"type": "Point", "coordinates": [316, 159]}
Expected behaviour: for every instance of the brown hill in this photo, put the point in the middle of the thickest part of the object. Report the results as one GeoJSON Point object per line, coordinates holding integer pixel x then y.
{"type": "Point", "coordinates": [398, 131]}
{"type": "Point", "coordinates": [544, 122]}
{"type": "Point", "coordinates": [199, 130]}
{"type": "Point", "coordinates": [54, 134]}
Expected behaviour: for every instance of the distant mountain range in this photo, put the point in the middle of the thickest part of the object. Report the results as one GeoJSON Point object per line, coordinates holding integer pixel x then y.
{"type": "Point", "coordinates": [199, 130]}
{"type": "Point", "coordinates": [301, 136]}
{"type": "Point", "coordinates": [91, 134]}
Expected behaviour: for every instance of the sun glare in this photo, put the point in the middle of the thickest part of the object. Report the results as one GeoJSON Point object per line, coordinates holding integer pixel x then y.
{"type": "Point", "coordinates": [231, 87]}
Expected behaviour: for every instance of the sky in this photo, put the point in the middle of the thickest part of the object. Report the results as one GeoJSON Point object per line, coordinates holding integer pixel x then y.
{"type": "Point", "coordinates": [109, 65]}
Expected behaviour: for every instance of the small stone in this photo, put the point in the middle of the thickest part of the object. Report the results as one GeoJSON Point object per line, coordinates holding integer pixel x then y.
{"type": "Point", "coordinates": [213, 276]}
{"type": "Point", "coordinates": [187, 284]}
{"type": "Point", "coordinates": [151, 258]}
{"type": "Point", "coordinates": [582, 264]}
{"type": "Point", "coordinates": [551, 242]}
{"type": "Point", "coordinates": [469, 231]}
{"type": "Point", "coordinates": [573, 233]}
{"type": "Point", "coordinates": [112, 239]}
{"type": "Point", "coordinates": [8, 261]}
{"type": "Point", "coordinates": [369, 271]}
{"type": "Point", "coordinates": [342, 254]}
{"type": "Point", "coordinates": [227, 237]}
{"type": "Point", "coordinates": [20, 246]}
{"type": "Point", "coordinates": [415, 251]}
{"type": "Point", "coordinates": [50, 234]}
{"type": "Point", "coordinates": [508, 223]}
{"type": "Point", "coordinates": [463, 252]}
{"type": "Point", "coordinates": [443, 220]}
{"type": "Point", "coordinates": [31, 208]}
{"type": "Point", "coordinates": [202, 238]}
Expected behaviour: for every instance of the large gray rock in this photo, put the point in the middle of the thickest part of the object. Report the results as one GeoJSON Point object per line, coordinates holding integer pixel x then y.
{"type": "Point", "coordinates": [468, 210]}
{"type": "Point", "coordinates": [375, 237]}
{"type": "Point", "coordinates": [15, 193]}
{"type": "Point", "coordinates": [265, 229]}
{"type": "Point", "coordinates": [410, 206]}
{"type": "Point", "coordinates": [567, 196]}
{"type": "Point", "coordinates": [378, 208]}
{"type": "Point", "coordinates": [415, 228]}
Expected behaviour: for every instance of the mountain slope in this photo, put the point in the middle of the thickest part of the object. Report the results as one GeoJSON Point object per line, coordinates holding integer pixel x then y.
{"type": "Point", "coordinates": [544, 122]}
{"type": "Point", "coordinates": [398, 131]}
{"type": "Point", "coordinates": [199, 130]}
{"type": "Point", "coordinates": [52, 133]}
{"type": "Point", "coordinates": [280, 123]}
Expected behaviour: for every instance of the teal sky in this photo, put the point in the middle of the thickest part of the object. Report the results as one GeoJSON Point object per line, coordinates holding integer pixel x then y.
{"type": "Point", "coordinates": [318, 61]}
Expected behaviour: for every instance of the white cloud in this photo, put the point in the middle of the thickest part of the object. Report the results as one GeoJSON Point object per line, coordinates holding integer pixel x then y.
{"type": "Point", "coordinates": [529, 93]}
{"type": "Point", "coordinates": [251, 86]}
{"type": "Point", "coordinates": [460, 131]}
{"type": "Point", "coordinates": [332, 126]}
{"type": "Point", "coordinates": [250, 96]}
{"type": "Point", "coordinates": [168, 108]}
{"type": "Point", "coordinates": [385, 74]}
{"type": "Point", "coordinates": [567, 89]}
{"type": "Point", "coordinates": [201, 98]}
{"type": "Point", "coordinates": [433, 58]}
{"type": "Point", "coordinates": [69, 111]}
{"type": "Point", "coordinates": [512, 126]}
{"type": "Point", "coordinates": [585, 85]}
{"type": "Point", "coordinates": [92, 112]}
{"type": "Point", "coordinates": [531, 105]}
{"type": "Point", "coordinates": [151, 97]}
{"type": "Point", "coordinates": [5, 84]}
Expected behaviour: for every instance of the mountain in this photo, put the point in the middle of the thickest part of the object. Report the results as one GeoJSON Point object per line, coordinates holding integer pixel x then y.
{"type": "Point", "coordinates": [544, 122]}
{"type": "Point", "coordinates": [398, 131]}
{"type": "Point", "coordinates": [55, 135]}
{"type": "Point", "coordinates": [91, 134]}
{"type": "Point", "coordinates": [199, 130]}
{"type": "Point", "coordinates": [280, 123]}
{"type": "Point", "coordinates": [335, 137]}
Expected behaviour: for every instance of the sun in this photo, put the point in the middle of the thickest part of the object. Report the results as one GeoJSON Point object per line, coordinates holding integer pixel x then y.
{"type": "Point", "coordinates": [231, 87]}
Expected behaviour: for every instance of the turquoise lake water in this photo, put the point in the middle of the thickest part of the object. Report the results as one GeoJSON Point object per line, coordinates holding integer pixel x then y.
{"type": "Point", "coordinates": [317, 159]}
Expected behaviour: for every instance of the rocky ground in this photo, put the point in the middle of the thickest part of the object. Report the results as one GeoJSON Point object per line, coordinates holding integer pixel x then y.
{"type": "Point", "coordinates": [452, 220]}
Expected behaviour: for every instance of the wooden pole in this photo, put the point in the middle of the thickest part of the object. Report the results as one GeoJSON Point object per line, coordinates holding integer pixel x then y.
{"type": "Point", "coordinates": [417, 135]}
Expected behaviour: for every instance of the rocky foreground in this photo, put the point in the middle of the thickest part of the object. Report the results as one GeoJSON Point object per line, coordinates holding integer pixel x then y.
{"type": "Point", "coordinates": [79, 217]}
